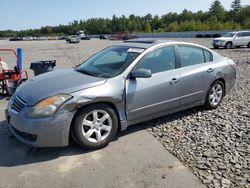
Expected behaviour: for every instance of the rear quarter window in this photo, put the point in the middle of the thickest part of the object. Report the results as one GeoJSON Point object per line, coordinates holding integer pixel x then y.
{"type": "Point", "coordinates": [208, 56]}
{"type": "Point", "coordinates": [246, 34]}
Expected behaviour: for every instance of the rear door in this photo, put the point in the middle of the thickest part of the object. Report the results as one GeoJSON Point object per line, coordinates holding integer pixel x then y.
{"type": "Point", "coordinates": [240, 39]}
{"type": "Point", "coordinates": [246, 36]}
{"type": "Point", "coordinates": [159, 93]}
{"type": "Point", "coordinates": [193, 72]}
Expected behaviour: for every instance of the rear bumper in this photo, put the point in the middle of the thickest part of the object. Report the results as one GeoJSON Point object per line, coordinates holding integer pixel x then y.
{"type": "Point", "coordinates": [43, 132]}
{"type": "Point", "coordinates": [231, 79]}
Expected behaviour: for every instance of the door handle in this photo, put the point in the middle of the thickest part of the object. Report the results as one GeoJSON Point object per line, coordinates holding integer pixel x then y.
{"type": "Point", "coordinates": [210, 70]}
{"type": "Point", "coordinates": [174, 80]}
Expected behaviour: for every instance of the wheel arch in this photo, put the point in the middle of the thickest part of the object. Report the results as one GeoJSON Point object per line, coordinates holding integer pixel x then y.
{"type": "Point", "coordinates": [229, 42]}
{"type": "Point", "coordinates": [112, 105]}
{"type": "Point", "coordinates": [219, 79]}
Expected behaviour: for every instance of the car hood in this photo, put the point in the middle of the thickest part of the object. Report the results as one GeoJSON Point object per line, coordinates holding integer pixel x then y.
{"type": "Point", "coordinates": [223, 38]}
{"type": "Point", "coordinates": [63, 81]}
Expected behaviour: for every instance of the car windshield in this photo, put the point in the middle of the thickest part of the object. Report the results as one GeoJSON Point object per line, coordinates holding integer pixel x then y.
{"type": "Point", "coordinates": [109, 62]}
{"type": "Point", "coordinates": [229, 35]}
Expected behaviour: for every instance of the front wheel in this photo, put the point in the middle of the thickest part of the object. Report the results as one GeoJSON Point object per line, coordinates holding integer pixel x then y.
{"type": "Point", "coordinates": [214, 95]}
{"type": "Point", "coordinates": [248, 45]}
{"type": "Point", "coordinates": [228, 45]}
{"type": "Point", "coordinates": [95, 126]}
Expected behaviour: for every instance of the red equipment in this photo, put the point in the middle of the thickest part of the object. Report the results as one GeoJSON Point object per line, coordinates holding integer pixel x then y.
{"type": "Point", "coordinates": [13, 77]}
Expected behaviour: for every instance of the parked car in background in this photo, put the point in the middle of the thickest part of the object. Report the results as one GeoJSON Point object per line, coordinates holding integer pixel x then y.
{"type": "Point", "coordinates": [86, 37]}
{"type": "Point", "coordinates": [104, 37]}
{"type": "Point", "coordinates": [122, 36]}
{"type": "Point", "coordinates": [16, 39]}
{"type": "Point", "coordinates": [73, 39]}
{"type": "Point", "coordinates": [83, 35]}
{"type": "Point", "coordinates": [61, 37]}
{"type": "Point", "coordinates": [122, 85]}
{"type": "Point", "coordinates": [236, 39]}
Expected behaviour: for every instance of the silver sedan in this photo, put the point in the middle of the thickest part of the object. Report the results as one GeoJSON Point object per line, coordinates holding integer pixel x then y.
{"type": "Point", "coordinates": [121, 85]}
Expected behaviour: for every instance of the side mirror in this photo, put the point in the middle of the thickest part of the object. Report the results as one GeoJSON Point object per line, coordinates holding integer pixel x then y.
{"type": "Point", "coordinates": [140, 73]}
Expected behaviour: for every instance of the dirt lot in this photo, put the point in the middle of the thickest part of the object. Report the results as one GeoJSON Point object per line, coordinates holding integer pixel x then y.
{"type": "Point", "coordinates": [227, 128]}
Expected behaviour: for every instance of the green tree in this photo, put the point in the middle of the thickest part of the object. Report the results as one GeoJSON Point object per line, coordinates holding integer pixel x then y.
{"type": "Point", "coordinates": [244, 14]}
{"type": "Point", "coordinates": [216, 9]}
{"type": "Point", "coordinates": [172, 27]}
{"type": "Point", "coordinates": [236, 6]}
{"type": "Point", "coordinates": [147, 28]}
{"type": "Point", "coordinates": [132, 26]}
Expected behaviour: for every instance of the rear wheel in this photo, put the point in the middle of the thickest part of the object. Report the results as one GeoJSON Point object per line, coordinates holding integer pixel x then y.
{"type": "Point", "coordinates": [95, 126]}
{"type": "Point", "coordinates": [215, 95]}
{"type": "Point", "coordinates": [228, 45]}
{"type": "Point", "coordinates": [4, 88]}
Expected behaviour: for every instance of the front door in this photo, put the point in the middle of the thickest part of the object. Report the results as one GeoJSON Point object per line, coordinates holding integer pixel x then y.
{"type": "Point", "coordinates": [159, 93]}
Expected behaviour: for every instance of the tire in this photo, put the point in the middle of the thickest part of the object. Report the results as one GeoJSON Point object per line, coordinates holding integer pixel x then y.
{"type": "Point", "coordinates": [216, 47]}
{"type": "Point", "coordinates": [95, 133]}
{"type": "Point", "coordinates": [248, 45]}
{"type": "Point", "coordinates": [228, 45]}
{"type": "Point", "coordinates": [215, 95]}
{"type": "Point", "coordinates": [4, 88]}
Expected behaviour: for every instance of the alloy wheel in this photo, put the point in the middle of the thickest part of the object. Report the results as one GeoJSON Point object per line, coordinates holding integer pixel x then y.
{"type": "Point", "coordinates": [96, 126]}
{"type": "Point", "coordinates": [216, 94]}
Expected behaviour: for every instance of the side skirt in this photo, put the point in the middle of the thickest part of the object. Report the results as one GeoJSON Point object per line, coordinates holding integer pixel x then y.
{"type": "Point", "coordinates": [125, 123]}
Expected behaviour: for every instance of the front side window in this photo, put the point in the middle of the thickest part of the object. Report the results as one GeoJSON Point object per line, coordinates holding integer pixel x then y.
{"type": "Point", "coordinates": [229, 35]}
{"type": "Point", "coordinates": [190, 56]}
{"type": "Point", "coordinates": [162, 59]}
{"type": "Point", "coordinates": [109, 62]}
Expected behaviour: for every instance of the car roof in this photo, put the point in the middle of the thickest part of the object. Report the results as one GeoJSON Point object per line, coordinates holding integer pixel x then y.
{"type": "Point", "coordinates": [146, 43]}
{"type": "Point", "coordinates": [242, 31]}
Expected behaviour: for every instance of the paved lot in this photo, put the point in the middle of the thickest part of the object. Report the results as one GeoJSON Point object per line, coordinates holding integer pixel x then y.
{"type": "Point", "coordinates": [135, 159]}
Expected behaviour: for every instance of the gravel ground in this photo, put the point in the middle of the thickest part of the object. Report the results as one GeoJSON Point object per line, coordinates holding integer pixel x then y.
{"type": "Point", "coordinates": [214, 144]}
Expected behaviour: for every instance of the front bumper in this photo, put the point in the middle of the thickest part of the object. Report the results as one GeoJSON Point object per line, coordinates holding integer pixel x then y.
{"type": "Point", "coordinates": [219, 43]}
{"type": "Point", "coordinates": [43, 132]}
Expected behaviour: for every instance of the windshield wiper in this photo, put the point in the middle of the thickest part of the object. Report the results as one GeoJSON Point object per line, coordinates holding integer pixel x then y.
{"type": "Point", "coordinates": [85, 72]}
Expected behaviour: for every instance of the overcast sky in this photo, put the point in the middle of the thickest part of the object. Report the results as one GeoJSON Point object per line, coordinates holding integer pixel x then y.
{"type": "Point", "coordinates": [28, 14]}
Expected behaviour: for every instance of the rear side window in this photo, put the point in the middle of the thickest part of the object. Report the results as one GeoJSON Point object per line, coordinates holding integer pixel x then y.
{"type": "Point", "coordinates": [191, 56]}
{"type": "Point", "coordinates": [208, 56]}
{"type": "Point", "coordinates": [246, 34]}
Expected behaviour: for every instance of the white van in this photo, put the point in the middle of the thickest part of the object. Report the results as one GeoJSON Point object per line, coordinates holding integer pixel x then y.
{"type": "Point", "coordinates": [237, 39]}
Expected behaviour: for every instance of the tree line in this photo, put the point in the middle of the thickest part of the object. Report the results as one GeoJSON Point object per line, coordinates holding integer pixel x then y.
{"type": "Point", "coordinates": [216, 18]}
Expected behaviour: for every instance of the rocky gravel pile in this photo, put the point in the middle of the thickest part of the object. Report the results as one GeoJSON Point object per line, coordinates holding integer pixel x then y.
{"type": "Point", "coordinates": [214, 144]}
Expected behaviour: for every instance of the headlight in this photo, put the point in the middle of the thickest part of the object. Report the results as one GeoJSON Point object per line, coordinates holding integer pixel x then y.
{"type": "Point", "coordinates": [49, 106]}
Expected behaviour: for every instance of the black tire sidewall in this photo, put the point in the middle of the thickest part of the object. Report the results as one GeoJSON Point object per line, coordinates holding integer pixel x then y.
{"type": "Point", "coordinates": [208, 105]}
{"type": "Point", "coordinates": [226, 46]}
{"type": "Point", "coordinates": [77, 126]}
